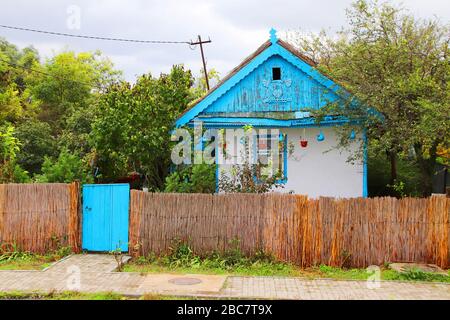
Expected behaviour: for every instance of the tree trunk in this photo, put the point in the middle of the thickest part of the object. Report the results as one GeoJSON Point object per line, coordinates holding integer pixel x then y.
{"type": "Point", "coordinates": [393, 161]}
{"type": "Point", "coordinates": [427, 168]}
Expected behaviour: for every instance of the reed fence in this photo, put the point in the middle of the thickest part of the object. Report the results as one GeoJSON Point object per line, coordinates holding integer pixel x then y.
{"type": "Point", "coordinates": [40, 217]}
{"type": "Point", "coordinates": [356, 232]}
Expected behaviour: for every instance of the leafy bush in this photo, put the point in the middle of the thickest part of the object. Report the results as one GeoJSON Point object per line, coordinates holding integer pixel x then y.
{"type": "Point", "coordinates": [233, 259]}
{"type": "Point", "coordinates": [67, 168]}
{"type": "Point", "coordinates": [198, 178]}
{"type": "Point", "coordinates": [21, 175]}
{"type": "Point", "coordinates": [181, 255]}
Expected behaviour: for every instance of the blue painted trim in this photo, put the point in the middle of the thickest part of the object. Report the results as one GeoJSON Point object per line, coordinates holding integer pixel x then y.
{"type": "Point", "coordinates": [273, 36]}
{"type": "Point", "coordinates": [217, 122]}
{"type": "Point", "coordinates": [273, 49]}
{"type": "Point", "coordinates": [285, 169]}
{"type": "Point", "coordinates": [217, 166]}
{"type": "Point", "coordinates": [311, 71]}
{"type": "Point", "coordinates": [365, 193]}
{"type": "Point", "coordinates": [224, 88]}
{"type": "Point", "coordinates": [105, 184]}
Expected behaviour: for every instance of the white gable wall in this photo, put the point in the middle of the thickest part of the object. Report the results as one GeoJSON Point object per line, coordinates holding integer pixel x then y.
{"type": "Point", "coordinates": [319, 169]}
{"type": "Point", "coordinates": [315, 172]}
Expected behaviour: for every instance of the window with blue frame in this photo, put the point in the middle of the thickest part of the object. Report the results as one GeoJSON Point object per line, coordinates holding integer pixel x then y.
{"type": "Point", "coordinates": [266, 146]}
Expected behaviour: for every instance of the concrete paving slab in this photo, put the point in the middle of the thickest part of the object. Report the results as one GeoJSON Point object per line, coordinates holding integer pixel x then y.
{"type": "Point", "coordinates": [183, 283]}
{"type": "Point", "coordinates": [93, 274]}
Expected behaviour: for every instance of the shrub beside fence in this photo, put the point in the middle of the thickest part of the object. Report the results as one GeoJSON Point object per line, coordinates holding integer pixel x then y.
{"type": "Point", "coordinates": [356, 232]}
{"type": "Point", "coordinates": [40, 217]}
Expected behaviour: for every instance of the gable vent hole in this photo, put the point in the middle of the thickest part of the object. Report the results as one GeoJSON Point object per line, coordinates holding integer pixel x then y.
{"type": "Point", "coordinates": [276, 73]}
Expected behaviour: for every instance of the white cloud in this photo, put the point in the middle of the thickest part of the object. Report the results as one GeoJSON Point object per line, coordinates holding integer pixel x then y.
{"type": "Point", "coordinates": [236, 27]}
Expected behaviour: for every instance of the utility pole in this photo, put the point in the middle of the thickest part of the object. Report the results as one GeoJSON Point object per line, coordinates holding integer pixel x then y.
{"type": "Point", "coordinates": [200, 42]}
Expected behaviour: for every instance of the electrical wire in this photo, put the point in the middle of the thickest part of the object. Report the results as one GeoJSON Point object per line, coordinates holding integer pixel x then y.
{"type": "Point", "coordinates": [95, 37]}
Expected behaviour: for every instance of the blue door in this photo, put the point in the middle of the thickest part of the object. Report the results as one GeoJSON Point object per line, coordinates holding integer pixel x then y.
{"type": "Point", "coordinates": [105, 217]}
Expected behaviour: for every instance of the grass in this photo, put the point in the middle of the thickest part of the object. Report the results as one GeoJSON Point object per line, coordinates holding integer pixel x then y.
{"type": "Point", "coordinates": [253, 270]}
{"type": "Point", "coordinates": [74, 295]}
{"type": "Point", "coordinates": [32, 263]}
{"type": "Point", "coordinates": [181, 259]}
{"type": "Point", "coordinates": [386, 274]}
{"type": "Point", "coordinates": [283, 270]}
{"type": "Point", "coordinates": [14, 259]}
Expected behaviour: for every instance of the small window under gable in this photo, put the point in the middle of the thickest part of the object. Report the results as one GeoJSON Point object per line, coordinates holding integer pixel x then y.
{"type": "Point", "coordinates": [276, 73]}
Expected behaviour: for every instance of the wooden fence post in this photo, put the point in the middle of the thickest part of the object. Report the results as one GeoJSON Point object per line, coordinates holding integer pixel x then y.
{"type": "Point", "coordinates": [74, 228]}
{"type": "Point", "coordinates": [2, 210]}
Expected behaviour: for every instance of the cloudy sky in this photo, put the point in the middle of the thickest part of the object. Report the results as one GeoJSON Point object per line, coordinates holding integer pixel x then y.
{"type": "Point", "coordinates": [236, 27]}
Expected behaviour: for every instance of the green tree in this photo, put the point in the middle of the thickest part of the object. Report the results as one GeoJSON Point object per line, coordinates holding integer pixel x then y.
{"type": "Point", "coordinates": [77, 127]}
{"type": "Point", "coordinates": [398, 66]}
{"type": "Point", "coordinates": [37, 142]}
{"type": "Point", "coordinates": [15, 96]}
{"type": "Point", "coordinates": [71, 81]}
{"type": "Point", "coordinates": [52, 105]}
{"type": "Point", "coordinates": [10, 171]}
{"type": "Point", "coordinates": [131, 129]}
{"type": "Point", "coordinates": [200, 88]}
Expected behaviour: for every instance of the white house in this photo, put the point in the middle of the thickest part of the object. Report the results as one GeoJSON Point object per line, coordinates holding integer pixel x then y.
{"type": "Point", "coordinates": [274, 91]}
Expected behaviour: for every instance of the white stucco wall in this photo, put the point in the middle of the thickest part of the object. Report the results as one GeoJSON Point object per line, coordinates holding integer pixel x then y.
{"type": "Point", "coordinates": [315, 172]}
{"type": "Point", "coordinates": [318, 169]}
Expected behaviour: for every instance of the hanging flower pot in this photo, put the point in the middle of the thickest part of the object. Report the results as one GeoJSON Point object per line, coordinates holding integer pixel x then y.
{"type": "Point", "coordinates": [303, 143]}
{"type": "Point", "coordinates": [320, 136]}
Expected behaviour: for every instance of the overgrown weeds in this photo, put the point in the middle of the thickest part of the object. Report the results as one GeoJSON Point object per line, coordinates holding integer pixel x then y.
{"type": "Point", "coordinates": [10, 252]}
{"type": "Point", "coordinates": [118, 257]}
{"type": "Point", "coordinates": [412, 274]}
{"type": "Point", "coordinates": [415, 274]}
{"type": "Point", "coordinates": [181, 257]}
{"type": "Point", "coordinates": [11, 256]}
{"type": "Point", "coordinates": [65, 295]}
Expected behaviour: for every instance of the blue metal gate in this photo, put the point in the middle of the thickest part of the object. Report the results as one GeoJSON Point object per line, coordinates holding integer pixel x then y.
{"type": "Point", "coordinates": [105, 217]}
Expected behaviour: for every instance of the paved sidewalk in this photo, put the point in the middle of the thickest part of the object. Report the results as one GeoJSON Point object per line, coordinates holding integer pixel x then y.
{"type": "Point", "coordinates": [95, 273]}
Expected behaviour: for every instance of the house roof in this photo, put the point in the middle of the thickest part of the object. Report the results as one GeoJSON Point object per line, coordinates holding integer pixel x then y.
{"type": "Point", "coordinates": [275, 46]}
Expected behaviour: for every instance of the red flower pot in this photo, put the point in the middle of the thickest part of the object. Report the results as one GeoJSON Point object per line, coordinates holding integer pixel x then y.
{"type": "Point", "coordinates": [304, 143]}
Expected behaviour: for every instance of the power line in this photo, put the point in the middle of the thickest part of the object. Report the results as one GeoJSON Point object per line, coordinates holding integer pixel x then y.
{"type": "Point", "coordinates": [95, 37]}
{"type": "Point", "coordinates": [190, 43]}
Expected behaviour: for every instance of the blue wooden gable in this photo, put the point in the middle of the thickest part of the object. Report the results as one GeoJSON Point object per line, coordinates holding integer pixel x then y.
{"type": "Point", "coordinates": [275, 79]}
{"type": "Point", "coordinates": [258, 92]}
